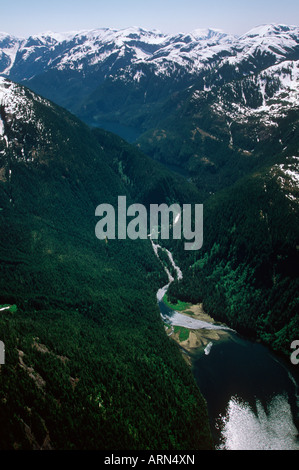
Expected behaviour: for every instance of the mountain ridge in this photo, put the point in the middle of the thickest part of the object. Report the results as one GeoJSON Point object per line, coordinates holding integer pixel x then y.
{"type": "Point", "coordinates": [124, 76]}
{"type": "Point", "coordinates": [165, 44]}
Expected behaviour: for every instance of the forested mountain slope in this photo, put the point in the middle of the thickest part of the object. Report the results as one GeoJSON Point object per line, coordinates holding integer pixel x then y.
{"type": "Point", "coordinates": [88, 364]}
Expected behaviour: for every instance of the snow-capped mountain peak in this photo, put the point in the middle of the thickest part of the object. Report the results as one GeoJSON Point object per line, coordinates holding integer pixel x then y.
{"type": "Point", "coordinates": [208, 33]}
{"type": "Point", "coordinates": [19, 114]}
{"type": "Point", "coordinates": [266, 30]}
{"type": "Point", "coordinates": [84, 50]}
{"type": "Point", "coordinates": [89, 68]}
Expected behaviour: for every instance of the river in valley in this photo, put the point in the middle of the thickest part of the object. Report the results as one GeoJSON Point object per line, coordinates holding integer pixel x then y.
{"type": "Point", "coordinates": [252, 394]}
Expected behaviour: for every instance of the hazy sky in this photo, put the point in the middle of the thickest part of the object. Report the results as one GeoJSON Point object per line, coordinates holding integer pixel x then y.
{"type": "Point", "coordinates": [25, 17]}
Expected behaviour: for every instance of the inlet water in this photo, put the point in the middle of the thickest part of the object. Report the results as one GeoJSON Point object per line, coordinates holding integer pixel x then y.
{"type": "Point", "coordinates": [252, 395]}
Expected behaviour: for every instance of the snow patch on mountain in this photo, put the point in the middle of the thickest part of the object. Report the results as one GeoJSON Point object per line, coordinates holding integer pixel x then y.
{"type": "Point", "coordinates": [272, 40]}
{"type": "Point", "coordinates": [16, 103]}
{"type": "Point", "coordinates": [291, 170]}
{"type": "Point", "coordinates": [276, 89]}
{"type": "Point", "coordinates": [208, 33]}
{"type": "Point", "coordinates": [265, 30]}
{"type": "Point", "coordinates": [9, 46]}
{"type": "Point", "coordinates": [18, 110]}
{"type": "Point", "coordinates": [288, 177]}
{"type": "Point", "coordinates": [1, 127]}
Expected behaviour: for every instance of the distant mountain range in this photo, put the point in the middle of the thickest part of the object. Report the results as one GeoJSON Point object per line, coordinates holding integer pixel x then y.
{"type": "Point", "coordinates": [104, 74]}
{"type": "Point", "coordinates": [108, 51]}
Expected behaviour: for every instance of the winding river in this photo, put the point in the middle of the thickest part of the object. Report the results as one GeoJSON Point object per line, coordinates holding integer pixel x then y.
{"type": "Point", "coordinates": [252, 394]}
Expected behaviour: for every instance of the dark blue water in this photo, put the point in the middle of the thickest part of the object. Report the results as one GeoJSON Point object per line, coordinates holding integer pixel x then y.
{"type": "Point", "coordinates": [252, 394]}
{"type": "Point", "coordinates": [130, 134]}
{"type": "Point", "coordinates": [255, 393]}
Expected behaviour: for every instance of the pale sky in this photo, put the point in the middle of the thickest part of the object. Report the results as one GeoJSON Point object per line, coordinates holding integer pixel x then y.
{"type": "Point", "coordinates": [25, 17]}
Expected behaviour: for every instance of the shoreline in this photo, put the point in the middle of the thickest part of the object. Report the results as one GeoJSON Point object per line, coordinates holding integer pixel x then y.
{"type": "Point", "coordinates": [197, 340]}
